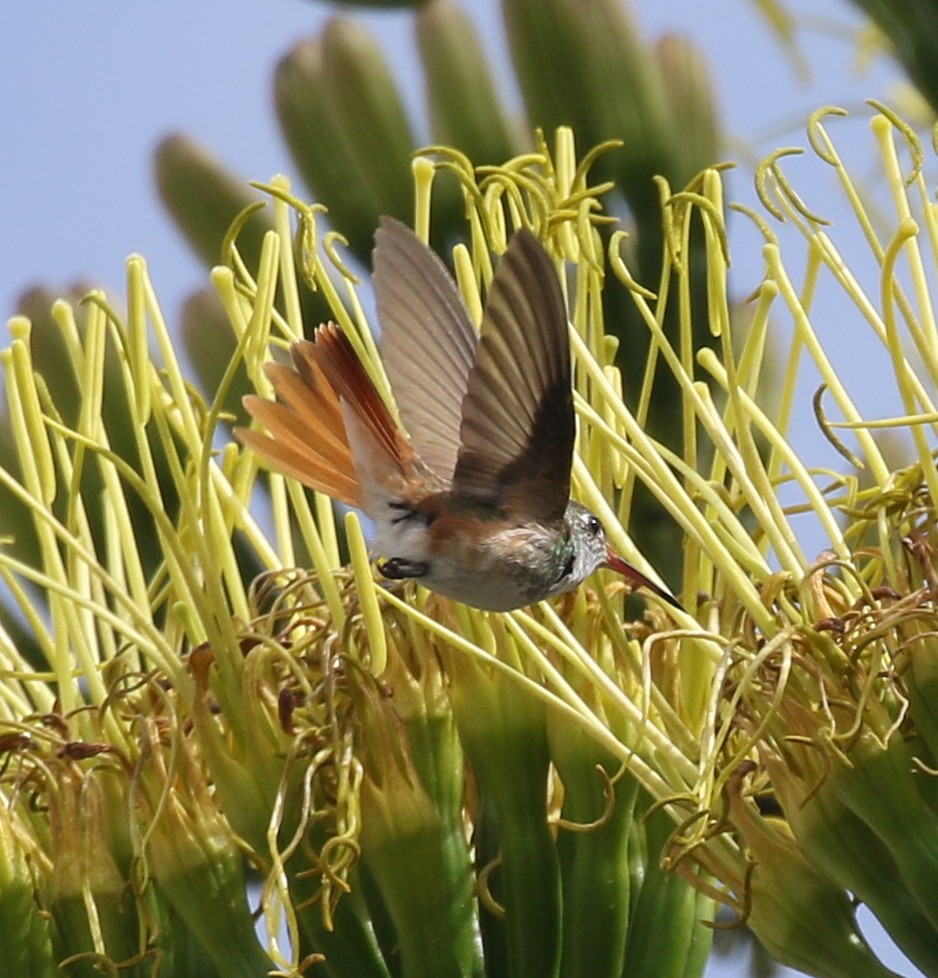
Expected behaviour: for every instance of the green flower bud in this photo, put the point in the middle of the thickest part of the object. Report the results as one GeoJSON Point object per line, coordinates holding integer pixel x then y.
{"type": "Point", "coordinates": [912, 29]}
{"type": "Point", "coordinates": [465, 110]}
{"type": "Point", "coordinates": [802, 919]}
{"type": "Point", "coordinates": [594, 73]}
{"type": "Point", "coordinates": [210, 344]}
{"type": "Point", "coordinates": [845, 848]}
{"type": "Point", "coordinates": [347, 130]}
{"type": "Point", "coordinates": [204, 199]}
{"type": "Point", "coordinates": [692, 109]}
{"type": "Point", "coordinates": [668, 933]}
{"type": "Point", "coordinates": [413, 839]}
{"type": "Point", "coordinates": [88, 897]}
{"type": "Point", "coordinates": [505, 738]}
{"type": "Point", "coordinates": [27, 944]}
{"type": "Point", "coordinates": [593, 845]}
{"type": "Point", "coordinates": [195, 861]}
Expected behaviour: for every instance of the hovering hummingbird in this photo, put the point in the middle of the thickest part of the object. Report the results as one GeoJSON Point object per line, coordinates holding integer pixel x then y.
{"type": "Point", "coordinates": [475, 504]}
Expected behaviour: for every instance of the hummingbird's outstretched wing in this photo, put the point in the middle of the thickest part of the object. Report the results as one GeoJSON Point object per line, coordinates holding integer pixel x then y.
{"type": "Point", "coordinates": [428, 342]}
{"type": "Point", "coordinates": [517, 433]}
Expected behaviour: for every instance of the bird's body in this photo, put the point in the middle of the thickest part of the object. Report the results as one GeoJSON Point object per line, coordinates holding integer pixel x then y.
{"type": "Point", "coordinates": [475, 503]}
{"type": "Point", "coordinates": [480, 557]}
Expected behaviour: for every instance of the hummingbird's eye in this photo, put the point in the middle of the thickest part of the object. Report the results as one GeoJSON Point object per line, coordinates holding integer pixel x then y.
{"type": "Point", "coordinates": [594, 526]}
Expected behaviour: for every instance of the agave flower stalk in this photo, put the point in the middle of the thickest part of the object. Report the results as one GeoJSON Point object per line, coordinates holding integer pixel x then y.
{"type": "Point", "coordinates": [426, 789]}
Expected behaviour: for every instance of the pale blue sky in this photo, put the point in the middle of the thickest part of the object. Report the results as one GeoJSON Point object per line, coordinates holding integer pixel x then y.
{"type": "Point", "coordinates": [88, 88]}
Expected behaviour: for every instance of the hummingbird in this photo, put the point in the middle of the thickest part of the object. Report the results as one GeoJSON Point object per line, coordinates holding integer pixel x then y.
{"type": "Point", "coordinates": [474, 501]}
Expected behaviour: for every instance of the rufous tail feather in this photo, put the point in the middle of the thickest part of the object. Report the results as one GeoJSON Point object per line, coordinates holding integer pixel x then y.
{"type": "Point", "coordinates": [340, 364]}
{"type": "Point", "coordinates": [307, 434]}
{"type": "Point", "coordinates": [306, 439]}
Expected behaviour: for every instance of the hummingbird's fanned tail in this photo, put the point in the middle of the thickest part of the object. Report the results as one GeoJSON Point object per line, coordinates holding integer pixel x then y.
{"type": "Point", "coordinates": [333, 432]}
{"type": "Point", "coordinates": [306, 439]}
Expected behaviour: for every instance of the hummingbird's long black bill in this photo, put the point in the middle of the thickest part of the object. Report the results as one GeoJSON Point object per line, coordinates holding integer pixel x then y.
{"type": "Point", "coordinates": [616, 563]}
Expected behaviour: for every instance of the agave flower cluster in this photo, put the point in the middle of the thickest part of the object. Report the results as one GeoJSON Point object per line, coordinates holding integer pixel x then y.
{"type": "Point", "coordinates": [418, 788]}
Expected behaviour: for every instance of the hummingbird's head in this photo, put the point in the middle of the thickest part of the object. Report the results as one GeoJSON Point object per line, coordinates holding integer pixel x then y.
{"type": "Point", "coordinates": [591, 551]}
{"type": "Point", "coordinates": [588, 539]}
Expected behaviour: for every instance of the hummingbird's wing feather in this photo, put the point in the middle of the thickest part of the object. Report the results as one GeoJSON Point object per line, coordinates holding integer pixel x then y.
{"type": "Point", "coordinates": [306, 439]}
{"type": "Point", "coordinates": [518, 426]}
{"type": "Point", "coordinates": [428, 342]}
